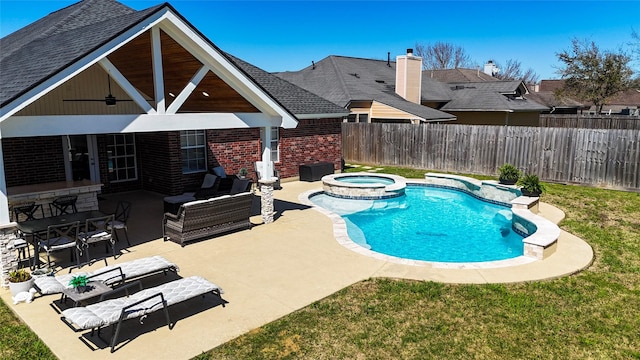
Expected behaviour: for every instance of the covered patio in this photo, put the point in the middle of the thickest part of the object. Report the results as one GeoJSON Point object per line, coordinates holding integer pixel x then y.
{"type": "Point", "coordinates": [141, 101]}
{"type": "Point", "coordinates": [266, 272]}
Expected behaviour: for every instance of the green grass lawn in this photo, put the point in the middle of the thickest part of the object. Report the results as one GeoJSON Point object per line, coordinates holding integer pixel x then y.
{"type": "Point", "coordinates": [591, 315]}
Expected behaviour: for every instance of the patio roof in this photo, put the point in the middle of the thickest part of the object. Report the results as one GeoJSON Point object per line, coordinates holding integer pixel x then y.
{"type": "Point", "coordinates": [40, 57]}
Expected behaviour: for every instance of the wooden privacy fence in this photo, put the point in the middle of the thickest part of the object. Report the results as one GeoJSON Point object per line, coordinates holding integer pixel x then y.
{"type": "Point", "coordinates": [590, 121]}
{"type": "Point", "coordinates": [598, 157]}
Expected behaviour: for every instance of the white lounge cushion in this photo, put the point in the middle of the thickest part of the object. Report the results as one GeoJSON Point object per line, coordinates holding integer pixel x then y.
{"type": "Point", "coordinates": [131, 269]}
{"type": "Point", "coordinates": [108, 312]}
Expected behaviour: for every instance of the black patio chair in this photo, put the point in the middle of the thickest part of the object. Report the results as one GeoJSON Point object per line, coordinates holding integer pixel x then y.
{"type": "Point", "coordinates": [63, 205]}
{"type": "Point", "coordinates": [121, 216]}
{"type": "Point", "coordinates": [61, 237]}
{"type": "Point", "coordinates": [98, 230]}
{"type": "Point", "coordinates": [27, 211]}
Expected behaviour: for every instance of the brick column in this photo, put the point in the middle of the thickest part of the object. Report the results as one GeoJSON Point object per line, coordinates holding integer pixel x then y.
{"type": "Point", "coordinates": [8, 258]}
{"type": "Point", "coordinates": [266, 199]}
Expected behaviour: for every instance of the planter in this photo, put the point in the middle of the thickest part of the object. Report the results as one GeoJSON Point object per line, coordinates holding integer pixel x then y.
{"type": "Point", "coordinates": [19, 287]}
{"type": "Point", "coordinates": [530, 193]}
{"type": "Point", "coordinates": [508, 181]}
{"type": "Point", "coordinates": [81, 289]}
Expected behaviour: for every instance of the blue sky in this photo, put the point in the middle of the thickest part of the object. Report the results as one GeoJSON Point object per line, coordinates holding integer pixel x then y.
{"type": "Point", "coordinates": [288, 35]}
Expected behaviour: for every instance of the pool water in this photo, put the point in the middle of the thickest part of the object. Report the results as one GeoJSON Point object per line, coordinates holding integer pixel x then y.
{"type": "Point", "coordinates": [365, 180]}
{"type": "Point", "coordinates": [429, 224]}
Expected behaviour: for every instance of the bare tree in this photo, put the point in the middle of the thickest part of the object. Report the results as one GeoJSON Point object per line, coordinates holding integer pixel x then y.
{"type": "Point", "coordinates": [594, 75]}
{"type": "Point", "coordinates": [441, 55]}
{"type": "Point", "coordinates": [512, 70]}
{"type": "Point", "coordinates": [635, 44]}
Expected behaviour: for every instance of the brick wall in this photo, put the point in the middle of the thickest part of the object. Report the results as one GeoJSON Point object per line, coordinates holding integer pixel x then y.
{"type": "Point", "coordinates": [159, 163]}
{"type": "Point", "coordinates": [38, 160]}
{"type": "Point", "coordinates": [312, 141]}
{"type": "Point", "coordinates": [234, 149]}
{"type": "Point", "coordinates": [33, 160]}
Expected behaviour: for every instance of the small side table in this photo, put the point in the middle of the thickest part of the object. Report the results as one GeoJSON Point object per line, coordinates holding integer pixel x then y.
{"type": "Point", "coordinates": [96, 288]}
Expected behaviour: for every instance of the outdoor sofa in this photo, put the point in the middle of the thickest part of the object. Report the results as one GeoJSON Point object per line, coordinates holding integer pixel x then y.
{"type": "Point", "coordinates": [139, 305]}
{"type": "Point", "coordinates": [199, 219]}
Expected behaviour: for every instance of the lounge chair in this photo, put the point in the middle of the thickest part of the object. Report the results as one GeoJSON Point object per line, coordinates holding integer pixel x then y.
{"type": "Point", "coordinates": [111, 275]}
{"type": "Point", "coordinates": [116, 311]}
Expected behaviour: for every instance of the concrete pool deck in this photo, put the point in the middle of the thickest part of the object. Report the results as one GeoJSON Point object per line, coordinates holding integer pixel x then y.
{"type": "Point", "coordinates": [266, 272]}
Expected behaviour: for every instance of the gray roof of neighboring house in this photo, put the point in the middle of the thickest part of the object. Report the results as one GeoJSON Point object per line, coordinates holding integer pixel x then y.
{"type": "Point", "coordinates": [550, 99]}
{"type": "Point", "coordinates": [342, 80]}
{"type": "Point", "coordinates": [458, 75]}
{"type": "Point", "coordinates": [44, 48]}
{"type": "Point", "coordinates": [491, 96]}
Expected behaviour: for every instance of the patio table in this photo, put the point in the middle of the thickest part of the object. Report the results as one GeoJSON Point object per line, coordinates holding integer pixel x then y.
{"type": "Point", "coordinates": [38, 226]}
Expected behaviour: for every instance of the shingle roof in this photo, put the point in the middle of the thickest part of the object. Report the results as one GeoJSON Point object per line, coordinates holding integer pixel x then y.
{"type": "Point", "coordinates": [550, 99]}
{"type": "Point", "coordinates": [45, 47]}
{"type": "Point", "coordinates": [457, 75]}
{"type": "Point", "coordinates": [490, 96]}
{"type": "Point", "coordinates": [342, 79]}
{"type": "Point", "coordinates": [297, 100]}
{"type": "Point", "coordinates": [42, 49]}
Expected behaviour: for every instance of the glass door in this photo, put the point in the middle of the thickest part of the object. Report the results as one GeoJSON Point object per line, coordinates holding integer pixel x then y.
{"type": "Point", "coordinates": [82, 160]}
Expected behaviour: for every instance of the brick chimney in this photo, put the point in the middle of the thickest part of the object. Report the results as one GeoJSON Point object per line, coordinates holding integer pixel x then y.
{"type": "Point", "coordinates": [409, 77]}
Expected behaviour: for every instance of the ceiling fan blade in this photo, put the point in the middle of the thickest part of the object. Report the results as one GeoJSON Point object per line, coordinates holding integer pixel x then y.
{"type": "Point", "coordinates": [100, 100]}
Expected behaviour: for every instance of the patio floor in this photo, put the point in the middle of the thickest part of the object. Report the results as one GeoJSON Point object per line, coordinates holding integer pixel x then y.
{"type": "Point", "coordinates": [266, 273]}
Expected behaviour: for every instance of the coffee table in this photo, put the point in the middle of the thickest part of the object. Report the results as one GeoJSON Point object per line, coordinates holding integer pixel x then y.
{"type": "Point", "coordinates": [95, 289]}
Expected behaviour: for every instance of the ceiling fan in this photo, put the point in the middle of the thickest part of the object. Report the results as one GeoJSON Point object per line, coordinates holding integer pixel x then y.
{"type": "Point", "coordinates": [109, 100]}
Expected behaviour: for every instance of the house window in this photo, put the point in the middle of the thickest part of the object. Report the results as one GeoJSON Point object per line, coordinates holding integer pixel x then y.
{"type": "Point", "coordinates": [121, 151]}
{"type": "Point", "coordinates": [275, 148]}
{"type": "Point", "coordinates": [194, 151]}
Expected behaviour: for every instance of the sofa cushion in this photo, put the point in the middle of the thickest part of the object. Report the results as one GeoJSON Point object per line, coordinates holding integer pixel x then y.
{"type": "Point", "coordinates": [219, 171]}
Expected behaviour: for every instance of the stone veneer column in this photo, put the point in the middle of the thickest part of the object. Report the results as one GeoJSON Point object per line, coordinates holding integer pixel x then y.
{"type": "Point", "coordinates": [8, 258]}
{"type": "Point", "coordinates": [266, 208]}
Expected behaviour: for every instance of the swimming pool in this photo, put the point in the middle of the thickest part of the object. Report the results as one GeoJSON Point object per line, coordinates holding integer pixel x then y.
{"type": "Point", "coordinates": [429, 224]}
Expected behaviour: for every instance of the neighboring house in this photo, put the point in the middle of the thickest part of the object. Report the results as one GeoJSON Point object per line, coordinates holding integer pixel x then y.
{"type": "Point", "coordinates": [493, 103]}
{"type": "Point", "coordinates": [368, 88]}
{"type": "Point", "coordinates": [624, 103]}
{"type": "Point", "coordinates": [546, 93]}
{"type": "Point", "coordinates": [386, 91]}
{"type": "Point", "coordinates": [102, 94]}
{"type": "Point", "coordinates": [458, 75]}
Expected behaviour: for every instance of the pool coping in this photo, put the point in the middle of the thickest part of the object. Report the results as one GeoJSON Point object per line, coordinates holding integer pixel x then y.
{"type": "Point", "coordinates": [534, 250]}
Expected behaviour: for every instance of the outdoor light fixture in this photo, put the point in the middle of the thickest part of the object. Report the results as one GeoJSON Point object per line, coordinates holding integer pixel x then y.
{"type": "Point", "coordinates": [110, 100]}
{"type": "Point", "coordinates": [206, 94]}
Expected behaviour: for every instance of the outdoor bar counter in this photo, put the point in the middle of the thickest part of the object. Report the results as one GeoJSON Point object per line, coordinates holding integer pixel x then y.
{"type": "Point", "coordinates": [87, 192]}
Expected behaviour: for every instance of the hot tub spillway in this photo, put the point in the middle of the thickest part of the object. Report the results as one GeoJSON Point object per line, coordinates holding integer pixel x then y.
{"type": "Point", "coordinates": [364, 186]}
